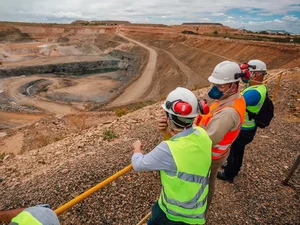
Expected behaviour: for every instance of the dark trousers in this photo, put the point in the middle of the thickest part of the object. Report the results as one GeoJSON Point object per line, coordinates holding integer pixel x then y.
{"type": "Point", "coordinates": [235, 158]}
{"type": "Point", "coordinates": [158, 217]}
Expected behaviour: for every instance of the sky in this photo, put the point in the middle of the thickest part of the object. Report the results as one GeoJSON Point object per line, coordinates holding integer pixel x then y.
{"type": "Point", "coordinates": [252, 15]}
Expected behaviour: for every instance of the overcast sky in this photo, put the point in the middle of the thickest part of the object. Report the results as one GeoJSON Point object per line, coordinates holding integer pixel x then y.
{"type": "Point", "coordinates": [251, 14]}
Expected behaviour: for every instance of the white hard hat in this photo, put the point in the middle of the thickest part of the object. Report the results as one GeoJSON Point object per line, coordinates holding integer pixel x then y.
{"type": "Point", "coordinates": [225, 72]}
{"type": "Point", "coordinates": [258, 65]}
{"type": "Point", "coordinates": [181, 102]}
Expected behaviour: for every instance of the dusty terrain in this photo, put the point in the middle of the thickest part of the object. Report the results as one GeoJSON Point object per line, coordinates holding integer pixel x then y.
{"type": "Point", "coordinates": [62, 170]}
{"type": "Point", "coordinates": [53, 147]}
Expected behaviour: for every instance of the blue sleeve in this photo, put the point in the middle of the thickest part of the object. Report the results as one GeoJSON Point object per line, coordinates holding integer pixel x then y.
{"type": "Point", "coordinates": [160, 158]}
{"type": "Point", "coordinates": [252, 97]}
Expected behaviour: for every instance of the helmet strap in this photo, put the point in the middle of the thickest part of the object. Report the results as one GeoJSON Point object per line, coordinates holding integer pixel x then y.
{"type": "Point", "coordinates": [173, 128]}
{"type": "Point", "coordinates": [228, 92]}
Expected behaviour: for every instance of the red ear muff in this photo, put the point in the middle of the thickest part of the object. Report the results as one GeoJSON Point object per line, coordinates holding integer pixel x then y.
{"type": "Point", "coordinates": [244, 66]}
{"type": "Point", "coordinates": [203, 106]}
{"type": "Point", "coordinates": [182, 108]}
{"type": "Point", "coordinates": [179, 107]}
{"type": "Point", "coordinates": [247, 74]}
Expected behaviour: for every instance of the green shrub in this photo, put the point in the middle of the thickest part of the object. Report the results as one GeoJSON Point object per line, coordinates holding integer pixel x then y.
{"type": "Point", "coordinates": [2, 155]}
{"type": "Point", "coordinates": [121, 112]}
{"type": "Point", "coordinates": [109, 134]}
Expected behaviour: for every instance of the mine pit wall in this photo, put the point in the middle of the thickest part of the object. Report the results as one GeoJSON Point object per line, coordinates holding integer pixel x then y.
{"type": "Point", "coordinates": [73, 67]}
{"type": "Point", "coordinates": [18, 32]}
{"type": "Point", "coordinates": [204, 53]}
{"type": "Point", "coordinates": [56, 33]}
{"type": "Point", "coordinates": [275, 55]}
{"type": "Point", "coordinates": [127, 60]}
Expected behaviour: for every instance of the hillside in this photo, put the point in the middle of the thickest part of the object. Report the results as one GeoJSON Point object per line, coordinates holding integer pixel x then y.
{"type": "Point", "coordinates": [74, 98]}
{"type": "Point", "coordinates": [62, 170]}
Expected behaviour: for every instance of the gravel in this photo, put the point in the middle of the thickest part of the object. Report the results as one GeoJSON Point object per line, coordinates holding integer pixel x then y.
{"type": "Point", "coordinates": [62, 170]}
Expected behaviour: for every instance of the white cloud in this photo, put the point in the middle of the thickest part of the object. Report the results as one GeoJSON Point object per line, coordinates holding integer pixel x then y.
{"type": "Point", "coordinates": [289, 24]}
{"type": "Point", "coordinates": [62, 14]}
{"type": "Point", "coordinates": [218, 14]}
{"type": "Point", "coordinates": [277, 21]}
{"type": "Point", "coordinates": [129, 9]}
{"type": "Point", "coordinates": [291, 18]}
{"type": "Point", "coordinates": [204, 20]}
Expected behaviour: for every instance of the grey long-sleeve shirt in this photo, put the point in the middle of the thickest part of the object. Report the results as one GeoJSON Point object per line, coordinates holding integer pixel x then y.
{"type": "Point", "coordinates": [160, 158]}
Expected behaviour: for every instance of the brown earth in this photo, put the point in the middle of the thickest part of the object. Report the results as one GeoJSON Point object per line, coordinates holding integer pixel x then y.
{"type": "Point", "coordinates": [137, 89]}
{"type": "Point", "coordinates": [60, 171]}
{"type": "Point", "coordinates": [59, 155]}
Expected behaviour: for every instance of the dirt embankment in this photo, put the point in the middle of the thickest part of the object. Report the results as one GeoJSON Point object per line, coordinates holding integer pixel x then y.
{"type": "Point", "coordinates": [18, 32]}
{"type": "Point", "coordinates": [138, 88]}
{"type": "Point", "coordinates": [197, 51]}
{"type": "Point", "coordinates": [59, 172]}
{"type": "Point", "coordinates": [65, 155]}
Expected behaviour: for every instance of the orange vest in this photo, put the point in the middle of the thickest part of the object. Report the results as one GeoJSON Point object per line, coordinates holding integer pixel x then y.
{"type": "Point", "coordinates": [219, 150]}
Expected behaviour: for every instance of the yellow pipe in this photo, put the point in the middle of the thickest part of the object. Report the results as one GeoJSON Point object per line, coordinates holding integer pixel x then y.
{"type": "Point", "coordinates": [272, 77]}
{"type": "Point", "coordinates": [276, 87]}
{"type": "Point", "coordinates": [79, 198]}
{"type": "Point", "coordinates": [144, 218]}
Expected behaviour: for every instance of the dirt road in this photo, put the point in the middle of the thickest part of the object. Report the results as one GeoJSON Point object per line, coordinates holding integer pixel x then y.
{"type": "Point", "coordinates": [136, 90]}
{"type": "Point", "coordinates": [13, 119]}
{"type": "Point", "coordinates": [190, 74]}
{"type": "Point", "coordinates": [12, 86]}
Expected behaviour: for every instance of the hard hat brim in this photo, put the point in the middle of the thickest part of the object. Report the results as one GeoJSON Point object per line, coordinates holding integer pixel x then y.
{"type": "Point", "coordinates": [213, 80]}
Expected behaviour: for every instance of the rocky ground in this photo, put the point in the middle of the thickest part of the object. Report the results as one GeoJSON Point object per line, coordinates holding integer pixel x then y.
{"type": "Point", "coordinates": [62, 170]}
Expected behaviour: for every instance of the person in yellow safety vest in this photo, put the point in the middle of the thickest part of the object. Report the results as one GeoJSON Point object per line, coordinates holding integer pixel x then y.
{"type": "Point", "coordinates": [254, 96]}
{"type": "Point", "coordinates": [226, 116]}
{"type": "Point", "coordinates": [183, 161]}
{"type": "Point", "coordinates": [37, 215]}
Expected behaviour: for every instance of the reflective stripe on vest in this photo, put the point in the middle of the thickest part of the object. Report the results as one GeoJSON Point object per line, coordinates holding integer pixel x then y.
{"type": "Point", "coordinates": [184, 195]}
{"type": "Point", "coordinates": [191, 204]}
{"type": "Point", "coordinates": [262, 89]}
{"type": "Point", "coordinates": [25, 218]}
{"type": "Point", "coordinates": [222, 148]}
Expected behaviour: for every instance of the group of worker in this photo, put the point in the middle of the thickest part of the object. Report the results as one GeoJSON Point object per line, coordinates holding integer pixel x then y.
{"type": "Point", "coordinates": [199, 140]}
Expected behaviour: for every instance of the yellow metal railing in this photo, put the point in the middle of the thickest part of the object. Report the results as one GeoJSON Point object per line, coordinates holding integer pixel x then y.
{"type": "Point", "coordinates": [142, 221]}
{"type": "Point", "coordinates": [277, 84]}
{"type": "Point", "coordinates": [79, 198]}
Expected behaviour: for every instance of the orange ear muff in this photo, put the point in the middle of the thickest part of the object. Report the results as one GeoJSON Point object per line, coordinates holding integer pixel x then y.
{"type": "Point", "coordinates": [203, 106]}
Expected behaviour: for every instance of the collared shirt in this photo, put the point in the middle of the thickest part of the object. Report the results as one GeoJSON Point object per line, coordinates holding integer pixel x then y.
{"type": "Point", "coordinates": [160, 158]}
{"type": "Point", "coordinates": [223, 121]}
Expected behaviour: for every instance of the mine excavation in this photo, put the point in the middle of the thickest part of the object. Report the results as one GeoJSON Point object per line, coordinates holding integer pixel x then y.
{"type": "Point", "coordinates": [74, 97]}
